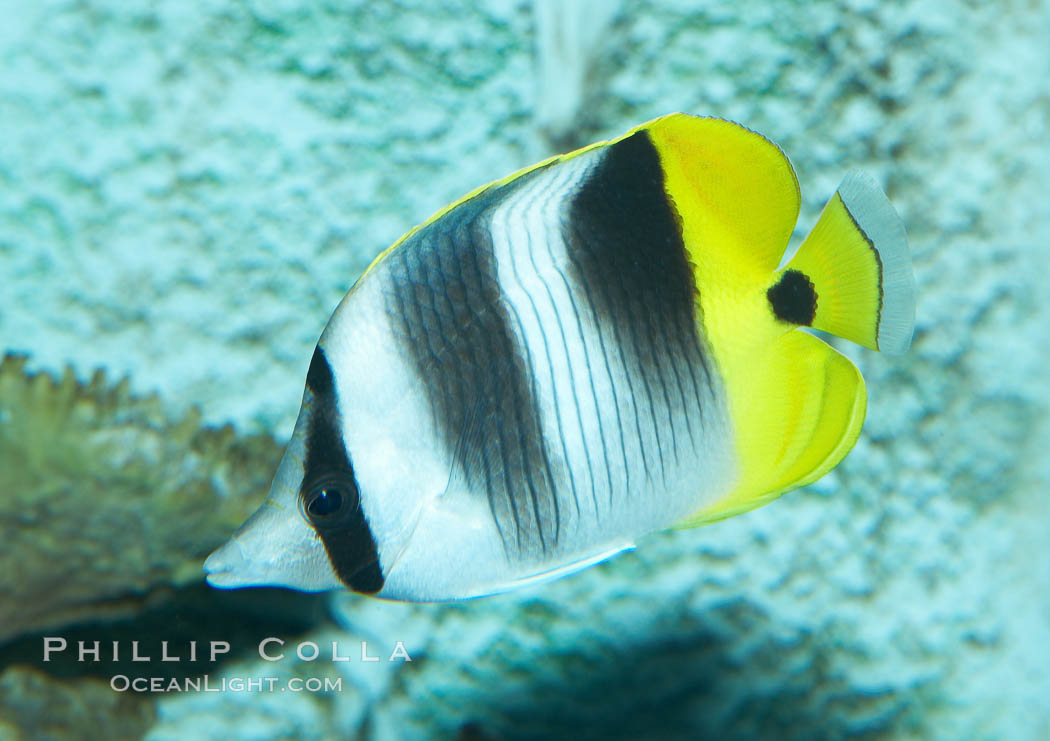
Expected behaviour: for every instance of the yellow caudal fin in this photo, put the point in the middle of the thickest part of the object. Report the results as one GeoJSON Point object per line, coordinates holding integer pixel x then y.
{"type": "Point", "coordinates": [852, 275]}
{"type": "Point", "coordinates": [801, 415]}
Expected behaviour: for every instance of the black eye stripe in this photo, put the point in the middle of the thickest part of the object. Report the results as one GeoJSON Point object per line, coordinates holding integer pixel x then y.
{"type": "Point", "coordinates": [319, 377]}
{"type": "Point", "coordinates": [347, 538]}
{"type": "Point", "coordinates": [324, 444]}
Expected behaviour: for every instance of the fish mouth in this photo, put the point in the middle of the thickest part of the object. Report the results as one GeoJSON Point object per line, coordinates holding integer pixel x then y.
{"type": "Point", "coordinates": [228, 568]}
{"type": "Point", "coordinates": [231, 568]}
{"type": "Point", "coordinates": [274, 548]}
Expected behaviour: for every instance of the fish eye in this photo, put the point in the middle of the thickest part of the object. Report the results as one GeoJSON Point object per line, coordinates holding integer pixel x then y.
{"type": "Point", "coordinates": [330, 500]}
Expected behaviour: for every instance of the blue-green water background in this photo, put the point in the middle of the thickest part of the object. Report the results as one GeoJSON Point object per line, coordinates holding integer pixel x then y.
{"type": "Point", "coordinates": [188, 188]}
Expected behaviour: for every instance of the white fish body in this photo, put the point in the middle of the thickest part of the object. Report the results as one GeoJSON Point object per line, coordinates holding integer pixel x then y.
{"type": "Point", "coordinates": [526, 384]}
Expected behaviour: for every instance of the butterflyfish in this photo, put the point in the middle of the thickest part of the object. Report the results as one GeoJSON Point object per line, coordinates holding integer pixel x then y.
{"type": "Point", "coordinates": [597, 347]}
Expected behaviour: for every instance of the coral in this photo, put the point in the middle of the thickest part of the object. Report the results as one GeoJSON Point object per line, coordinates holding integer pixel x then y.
{"type": "Point", "coordinates": [104, 498]}
{"type": "Point", "coordinates": [569, 39]}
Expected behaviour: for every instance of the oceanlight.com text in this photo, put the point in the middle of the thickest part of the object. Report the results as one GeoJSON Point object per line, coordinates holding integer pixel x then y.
{"type": "Point", "coordinates": [205, 683]}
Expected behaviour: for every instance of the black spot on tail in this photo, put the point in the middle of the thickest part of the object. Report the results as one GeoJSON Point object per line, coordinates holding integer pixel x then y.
{"type": "Point", "coordinates": [793, 298]}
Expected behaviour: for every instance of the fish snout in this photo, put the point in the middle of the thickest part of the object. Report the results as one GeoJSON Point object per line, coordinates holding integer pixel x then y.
{"type": "Point", "coordinates": [275, 547]}
{"type": "Point", "coordinates": [226, 565]}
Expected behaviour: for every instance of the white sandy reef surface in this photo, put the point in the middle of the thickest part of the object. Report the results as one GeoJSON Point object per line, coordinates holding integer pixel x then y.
{"type": "Point", "coordinates": [188, 188]}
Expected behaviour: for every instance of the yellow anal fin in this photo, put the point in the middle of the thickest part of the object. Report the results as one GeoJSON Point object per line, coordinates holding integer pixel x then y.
{"type": "Point", "coordinates": [796, 416]}
{"type": "Point", "coordinates": [735, 190]}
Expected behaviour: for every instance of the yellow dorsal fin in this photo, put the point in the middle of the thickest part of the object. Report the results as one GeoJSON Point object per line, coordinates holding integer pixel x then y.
{"type": "Point", "coordinates": [803, 412]}
{"type": "Point", "coordinates": [732, 186]}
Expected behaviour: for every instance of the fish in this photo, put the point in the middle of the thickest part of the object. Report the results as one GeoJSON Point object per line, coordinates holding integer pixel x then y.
{"type": "Point", "coordinates": [604, 345]}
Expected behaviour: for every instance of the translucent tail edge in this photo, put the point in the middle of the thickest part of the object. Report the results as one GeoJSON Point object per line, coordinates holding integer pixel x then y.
{"type": "Point", "coordinates": [876, 217]}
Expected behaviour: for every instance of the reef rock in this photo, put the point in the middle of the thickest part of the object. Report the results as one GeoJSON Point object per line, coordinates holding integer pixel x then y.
{"type": "Point", "coordinates": [105, 499]}
{"type": "Point", "coordinates": [36, 706]}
